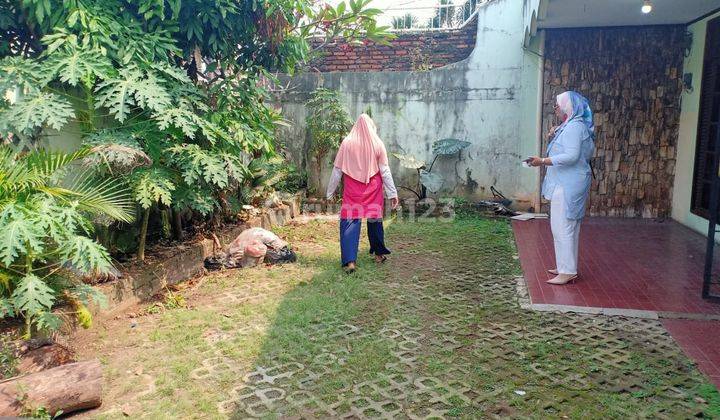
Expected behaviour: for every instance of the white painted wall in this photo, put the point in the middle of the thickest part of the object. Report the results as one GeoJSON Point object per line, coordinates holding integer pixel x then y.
{"type": "Point", "coordinates": [687, 137]}
{"type": "Point", "coordinates": [488, 99]}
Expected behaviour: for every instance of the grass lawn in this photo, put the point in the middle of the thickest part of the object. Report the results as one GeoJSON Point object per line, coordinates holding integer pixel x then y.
{"type": "Point", "coordinates": [434, 332]}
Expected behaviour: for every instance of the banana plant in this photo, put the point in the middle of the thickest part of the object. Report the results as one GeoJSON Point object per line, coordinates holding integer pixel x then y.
{"type": "Point", "coordinates": [427, 180]}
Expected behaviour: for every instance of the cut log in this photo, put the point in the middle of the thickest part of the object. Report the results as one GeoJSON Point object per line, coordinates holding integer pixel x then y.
{"type": "Point", "coordinates": [67, 388]}
{"type": "Point", "coordinates": [43, 358]}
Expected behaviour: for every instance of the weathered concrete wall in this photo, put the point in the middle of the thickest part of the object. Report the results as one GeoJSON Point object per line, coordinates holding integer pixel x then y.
{"type": "Point", "coordinates": [478, 100]}
{"type": "Point", "coordinates": [633, 80]}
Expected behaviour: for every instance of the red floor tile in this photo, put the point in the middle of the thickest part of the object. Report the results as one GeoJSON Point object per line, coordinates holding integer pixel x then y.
{"type": "Point", "coordinates": [700, 341]}
{"type": "Point", "coordinates": [624, 263]}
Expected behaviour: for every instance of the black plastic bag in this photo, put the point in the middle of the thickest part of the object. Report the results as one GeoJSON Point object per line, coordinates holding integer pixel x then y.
{"type": "Point", "coordinates": [280, 256]}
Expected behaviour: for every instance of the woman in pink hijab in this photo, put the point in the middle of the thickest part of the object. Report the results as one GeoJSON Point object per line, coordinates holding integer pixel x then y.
{"type": "Point", "coordinates": [362, 164]}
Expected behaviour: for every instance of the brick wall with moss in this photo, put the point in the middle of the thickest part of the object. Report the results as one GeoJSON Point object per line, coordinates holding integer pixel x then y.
{"type": "Point", "coordinates": [416, 50]}
{"type": "Point", "coordinates": [633, 79]}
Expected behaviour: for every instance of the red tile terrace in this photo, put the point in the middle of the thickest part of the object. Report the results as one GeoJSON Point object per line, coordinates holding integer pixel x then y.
{"type": "Point", "coordinates": [630, 267]}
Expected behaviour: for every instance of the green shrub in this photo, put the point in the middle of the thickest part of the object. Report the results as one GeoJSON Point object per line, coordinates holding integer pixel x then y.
{"type": "Point", "coordinates": [44, 234]}
{"type": "Point", "coordinates": [327, 122]}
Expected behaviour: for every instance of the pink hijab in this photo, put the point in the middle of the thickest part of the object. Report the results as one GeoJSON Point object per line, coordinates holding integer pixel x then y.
{"type": "Point", "coordinates": [362, 152]}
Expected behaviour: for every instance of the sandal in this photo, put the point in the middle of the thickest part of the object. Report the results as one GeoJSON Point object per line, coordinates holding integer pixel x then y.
{"type": "Point", "coordinates": [382, 259]}
{"type": "Point", "coordinates": [349, 269]}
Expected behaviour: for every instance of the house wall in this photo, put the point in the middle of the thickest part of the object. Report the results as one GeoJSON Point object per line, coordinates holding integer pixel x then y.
{"type": "Point", "coordinates": [633, 80]}
{"type": "Point", "coordinates": [417, 50]}
{"type": "Point", "coordinates": [481, 99]}
{"type": "Point", "coordinates": [688, 132]}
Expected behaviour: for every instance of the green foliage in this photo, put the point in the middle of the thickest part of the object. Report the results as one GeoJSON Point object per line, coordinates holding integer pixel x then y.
{"type": "Point", "coordinates": [295, 180]}
{"type": "Point", "coordinates": [152, 185]}
{"type": "Point", "coordinates": [427, 180]}
{"type": "Point", "coordinates": [43, 231]}
{"type": "Point", "coordinates": [327, 121]}
{"type": "Point", "coordinates": [406, 21]}
{"type": "Point", "coordinates": [449, 146]}
{"type": "Point", "coordinates": [37, 109]}
{"type": "Point", "coordinates": [8, 358]}
{"type": "Point", "coordinates": [169, 95]}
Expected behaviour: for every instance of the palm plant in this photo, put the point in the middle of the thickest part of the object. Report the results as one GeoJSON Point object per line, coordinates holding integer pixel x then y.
{"type": "Point", "coordinates": [406, 21]}
{"type": "Point", "coordinates": [46, 199]}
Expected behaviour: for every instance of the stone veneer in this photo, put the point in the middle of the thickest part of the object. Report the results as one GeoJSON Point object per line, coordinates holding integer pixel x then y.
{"type": "Point", "coordinates": [417, 50]}
{"type": "Point", "coordinates": [633, 80]}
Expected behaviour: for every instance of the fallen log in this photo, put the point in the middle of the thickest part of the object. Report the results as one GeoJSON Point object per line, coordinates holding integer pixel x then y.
{"type": "Point", "coordinates": [67, 388]}
{"type": "Point", "coordinates": [43, 358]}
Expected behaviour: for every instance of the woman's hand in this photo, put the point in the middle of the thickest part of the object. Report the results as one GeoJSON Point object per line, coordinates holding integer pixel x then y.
{"type": "Point", "coordinates": [394, 202]}
{"type": "Point", "coordinates": [535, 161]}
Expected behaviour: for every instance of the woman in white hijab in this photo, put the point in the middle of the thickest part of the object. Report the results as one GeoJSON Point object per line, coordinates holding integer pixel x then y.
{"type": "Point", "coordinates": [567, 181]}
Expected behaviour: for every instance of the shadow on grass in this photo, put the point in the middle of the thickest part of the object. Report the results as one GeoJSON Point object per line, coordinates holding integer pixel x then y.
{"type": "Point", "coordinates": [437, 332]}
{"type": "Point", "coordinates": [323, 339]}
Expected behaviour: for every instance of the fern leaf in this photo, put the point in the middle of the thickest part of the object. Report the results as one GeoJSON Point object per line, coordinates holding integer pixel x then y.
{"type": "Point", "coordinates": [35, 110]}
{"type": "Point", "coordinates": [198, 164]}
{"type": "Point", "coordinates": [188, 197]}
{"type": "Point", "coordinates": [131, 88]}
{"type": "Point", "coordinates": [48, 218]}
{"type": "Point", "coordinates": [33, 296]}
{"type": "Point", "coordinates": [152, 94]}
{"type": "Point", "coordinates": [172, 71]}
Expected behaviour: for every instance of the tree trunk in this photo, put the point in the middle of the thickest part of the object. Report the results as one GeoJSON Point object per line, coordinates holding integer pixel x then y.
{"type": "Point", "coordinates": [43, 358]}
{"type": "Point", "coordinates": [72, 387]}
{"type": "Point", "coordinates": [177, 225]}
{"type": "Point", "coordinates": [143, 234]}
{"type": "Point", "coordinates": [165, 220]}
{"type": "Point", "coordinates": [320, 160]}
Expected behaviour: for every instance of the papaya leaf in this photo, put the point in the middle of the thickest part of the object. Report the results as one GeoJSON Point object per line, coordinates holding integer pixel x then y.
{"type": "Point", "coordinates": [33, 296]}
{"type": "Point", "coordinates": [89, 295]}
{"type": "Point", "coordinates": [48, 321]}
{"type": "Point", "coordinates": [35, 110]}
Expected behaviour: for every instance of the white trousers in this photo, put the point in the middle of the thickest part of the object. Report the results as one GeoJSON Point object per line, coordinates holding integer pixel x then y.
{"type": "Point", "coordinates": [566, 234]}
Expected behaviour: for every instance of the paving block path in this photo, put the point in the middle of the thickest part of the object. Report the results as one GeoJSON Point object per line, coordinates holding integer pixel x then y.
{"type": "Point", "coordinates": [436, 332]}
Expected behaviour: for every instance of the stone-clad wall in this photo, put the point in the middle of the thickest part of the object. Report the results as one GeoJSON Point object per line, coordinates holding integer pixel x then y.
{"type": "Point", "coordinates": [632, 77]}
{"type": "Point", "coordinates": [421, 50]}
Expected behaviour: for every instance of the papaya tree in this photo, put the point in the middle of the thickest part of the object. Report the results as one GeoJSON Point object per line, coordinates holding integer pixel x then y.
{"type": "Point", "coordinates": [44, 234]}
{"type": "Point", "coordinates": [183, 83]}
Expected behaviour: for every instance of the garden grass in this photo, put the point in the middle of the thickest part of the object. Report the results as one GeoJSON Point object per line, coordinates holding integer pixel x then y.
{"type": "Point", "coordinates": [436, 331]}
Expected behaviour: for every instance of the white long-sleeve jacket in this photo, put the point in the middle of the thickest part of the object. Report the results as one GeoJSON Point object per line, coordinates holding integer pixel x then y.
{"type": "Point", "coordinates": [388, 183]}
